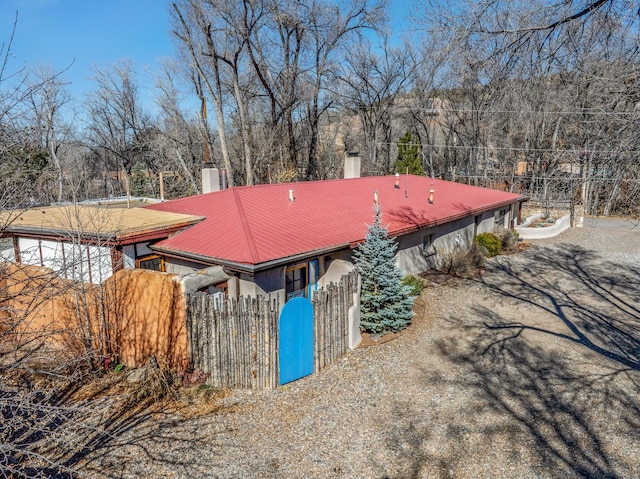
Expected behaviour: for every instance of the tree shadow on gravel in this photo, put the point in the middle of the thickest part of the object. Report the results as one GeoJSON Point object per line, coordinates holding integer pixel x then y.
{"type": "Point", "coordinates": [143, 434]}
{"type": "Point", "coordinates": [597, 301]}
{"type": "Point", "coordinates": [550, 358]}
{"type": "Point", "coordinates": [102, 437]}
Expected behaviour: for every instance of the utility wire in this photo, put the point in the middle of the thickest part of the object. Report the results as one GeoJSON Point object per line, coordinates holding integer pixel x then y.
{"type": "Point", "coordinates": [589, 111]}
{"type": "Point", "coordinates": [515, 148]}
{"type": "Point", "coordinates": [550, 178]}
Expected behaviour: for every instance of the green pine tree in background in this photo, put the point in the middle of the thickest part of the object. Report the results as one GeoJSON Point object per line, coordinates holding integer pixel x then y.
{"type": "Point", "coordinates": [139, 180]}
{"type": "Point", "coordinates": [409, 155]}
{"type": "Point", "coordinates": [385, 303]}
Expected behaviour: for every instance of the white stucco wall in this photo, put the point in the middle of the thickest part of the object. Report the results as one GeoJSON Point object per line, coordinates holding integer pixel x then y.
{"type": "Point", "coordinates": [411, 257]}
{"type": "Point", "coordinates": [176, 266]}
{"type": "Point", "coordinates": [78, 262]}
{"type": "Point", "coordinates": [29, 251]}
{"type": "Point", "coordinates": [561, 224]}
{"type": "Point", "coordinates": [486, 222]}
{"type": "Point", "coordinates": [335, 270]}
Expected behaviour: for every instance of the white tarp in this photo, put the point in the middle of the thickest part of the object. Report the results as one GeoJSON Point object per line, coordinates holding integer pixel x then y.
{"type": "Point", "coordinates": [72, 261]}
{"type": "Point", "coordinates": [29, 251]}
{"type": "Point", "coordinates": [52, 255]}
{"type": "Point", "coordinates": [100, 262]}
{"type": "Point", "coordinates": [87, 263]}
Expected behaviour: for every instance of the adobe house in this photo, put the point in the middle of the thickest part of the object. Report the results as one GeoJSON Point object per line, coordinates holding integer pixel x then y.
{"type": "Point", "coordinates": [87, 242]}
{"type": "Point", "coordinates": [277, 239]}
{"type": "Point", "coordinates": [289, 239]}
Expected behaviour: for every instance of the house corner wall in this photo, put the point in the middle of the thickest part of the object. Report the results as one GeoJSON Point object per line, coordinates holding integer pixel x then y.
{"type": "Point", "coordinates": [355, 338]}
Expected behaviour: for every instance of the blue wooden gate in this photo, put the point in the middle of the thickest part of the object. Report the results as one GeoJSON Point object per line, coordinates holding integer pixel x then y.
{"type": "Point", "coordinates": [295, 332]}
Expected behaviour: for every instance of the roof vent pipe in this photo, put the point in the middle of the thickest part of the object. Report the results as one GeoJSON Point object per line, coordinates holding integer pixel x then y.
{"type": "Point", "coordinates": [431, 192]}
{"type": "Point", "coordinates": [291, 197]}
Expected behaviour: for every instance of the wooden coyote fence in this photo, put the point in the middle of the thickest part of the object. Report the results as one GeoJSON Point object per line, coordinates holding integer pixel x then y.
{"type": "Point", "coordinates": [235, 343]}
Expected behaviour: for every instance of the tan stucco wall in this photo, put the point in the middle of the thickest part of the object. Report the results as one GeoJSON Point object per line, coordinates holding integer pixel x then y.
{"type": "Point", "coordinates": [143, 313]}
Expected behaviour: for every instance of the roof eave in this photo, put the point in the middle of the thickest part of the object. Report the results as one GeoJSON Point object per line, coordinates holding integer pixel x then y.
{"type": "Point", "coordinates": [456, 217]}
{"type": "Point", "coordinates": [248, 267]}
{"type": "Point", "coordinates": [110, 237]}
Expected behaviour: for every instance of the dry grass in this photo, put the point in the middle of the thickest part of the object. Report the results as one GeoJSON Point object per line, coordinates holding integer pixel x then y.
{"type": "Point", "coordinates": [159, 392]}
{"type": "Point", "coordinates": [198, 401]}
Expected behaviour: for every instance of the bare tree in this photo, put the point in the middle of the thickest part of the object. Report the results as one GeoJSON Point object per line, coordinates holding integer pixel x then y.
{"type": "Point", "coordinates": [117, 121]}
{"type": "Point", "coordinates": [330, 29]}
{"type": "Point", "coordinates": [540, 96]}
{"type": "Point", "coordinates": [370, 84]}
{"type": "Point", "coordinates": [273, 58]}
{"type": "Point", "coordinates": [27, 409]}
{"type": "Point", "coordinates": [176, 129]}
{"type": "Point", "coordinates": [47, 102]}
{"type": "Point", "coordinates": [194, 30]}
{"type": "Point", "coordinates": [23, 158]}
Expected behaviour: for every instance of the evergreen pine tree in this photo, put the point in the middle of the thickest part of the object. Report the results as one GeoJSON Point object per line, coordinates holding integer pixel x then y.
{"type": "Point", "coordinates": [385, 303]}
{"type": "Point", "coordinates": [409, 155]}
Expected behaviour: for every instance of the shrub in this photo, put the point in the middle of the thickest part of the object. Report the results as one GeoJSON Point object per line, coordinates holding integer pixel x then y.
{"type": "Point", "coordinates": [490, 242]}
{"type": "Point", "coordinates": [476, 256]}
{"type": "Point", "coordinates": [464, 263]}
{"type": "Point", "coordinates": [416, 284]}
{"type": "Point", "coordinates": [150, 384]}
{"type": "Point", "coordinates": [508, 238]}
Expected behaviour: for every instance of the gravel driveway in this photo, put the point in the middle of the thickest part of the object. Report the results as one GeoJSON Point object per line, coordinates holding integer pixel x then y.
{"type": "Point", "coordinates": [532, 371]}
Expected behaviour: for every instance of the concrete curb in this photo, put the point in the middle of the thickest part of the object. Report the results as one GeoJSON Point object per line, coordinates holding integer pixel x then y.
{"type": "Point", "coordinates": [561, 224]}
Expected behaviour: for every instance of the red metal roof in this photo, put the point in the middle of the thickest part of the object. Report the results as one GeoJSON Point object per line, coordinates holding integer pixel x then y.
{"type": "Point", "coordinates": [252, 225]}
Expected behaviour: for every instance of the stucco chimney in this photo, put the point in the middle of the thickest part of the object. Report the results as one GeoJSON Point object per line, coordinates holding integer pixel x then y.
{"type": "Point", "coordinates": [352, 165]}
{"type": "Point", "coordinates": [210, 180]}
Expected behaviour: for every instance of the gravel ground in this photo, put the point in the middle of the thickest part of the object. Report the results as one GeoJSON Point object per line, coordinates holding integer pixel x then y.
{"type": "Point", "coordinates": [530, 372]}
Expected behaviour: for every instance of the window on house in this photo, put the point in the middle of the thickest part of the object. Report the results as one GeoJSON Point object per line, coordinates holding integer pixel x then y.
{"type": "Point", "coordinates": [153, 262]}
{"type": "Point", "coordinates": [499, 217]}
{"type": "Point", "coordinates": [296, 281]}
{"type": "Point", "coordinates": [428, 248]}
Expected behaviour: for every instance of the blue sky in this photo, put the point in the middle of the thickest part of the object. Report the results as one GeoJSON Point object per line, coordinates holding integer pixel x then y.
{"type": "Point", "coordinates": [81, 33]}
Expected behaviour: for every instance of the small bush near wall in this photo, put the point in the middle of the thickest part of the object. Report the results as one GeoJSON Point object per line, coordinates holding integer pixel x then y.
{"type": "Point", "coordinates": [464, 263]}
{"type": "Point", "coordinates": [490, 242]}
{"type": "Point", "coordinates": [508, 238]}
{"type": "Point", "coordinates": [416, 284]}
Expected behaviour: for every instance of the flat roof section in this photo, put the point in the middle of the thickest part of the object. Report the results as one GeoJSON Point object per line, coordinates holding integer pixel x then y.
{"type": "Point", "coordinates": [112, 224]}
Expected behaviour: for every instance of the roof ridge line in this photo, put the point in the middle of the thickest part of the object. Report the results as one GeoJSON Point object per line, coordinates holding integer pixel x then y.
{"type": "Point", "coordinates": [249, 242]}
